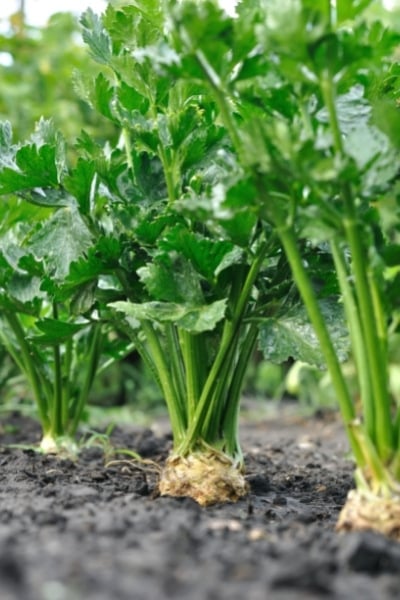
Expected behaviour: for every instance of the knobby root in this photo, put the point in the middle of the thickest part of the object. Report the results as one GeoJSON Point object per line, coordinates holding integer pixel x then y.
{"type": "Point", "coordinates": [207, 477]}
{"type": "Point", "coordinates": [364, 511]}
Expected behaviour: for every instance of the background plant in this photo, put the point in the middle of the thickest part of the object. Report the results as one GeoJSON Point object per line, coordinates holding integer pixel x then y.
{"type": "Point", "coordinates": [39, 78]}
{"type": "Point", "coordinates": [51, 322]}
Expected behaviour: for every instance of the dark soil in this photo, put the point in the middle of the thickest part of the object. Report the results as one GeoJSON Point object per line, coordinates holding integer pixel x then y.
{"type": "Point", "coordinates": [84, 531]}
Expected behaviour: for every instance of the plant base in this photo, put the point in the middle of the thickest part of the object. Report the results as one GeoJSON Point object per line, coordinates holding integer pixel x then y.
{"type": "Point", "coordinates": [206, 477]}
{"type": "Point", "coordinates": [363, 511]}
{"type": "Point", "coordinates": [62, 446]}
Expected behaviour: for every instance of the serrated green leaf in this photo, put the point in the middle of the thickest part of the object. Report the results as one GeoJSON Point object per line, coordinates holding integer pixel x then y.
{"type": "Point", "coordinates": [35, 168]}
{"type": "Point", "coordinates": [61, 241]}
{"type": "Point", "coordinates": [292, 336]}
{"type": "Point", "coordinates": [236, 256]}
{"type": "Point", "coordinates": [56, 332]}
{"type": "Point", "coordinates": [208, 256]}
{"type": "Point", "coordinates": [353, 109]}
{"type": "Point", "coordinates": [386, 117]}
{"type": "Point", "coordinates": [81, 282]}
{"type": "Point", "coordinates": [79, 183]}
{"type": "Point", "coordinates": [374, 156]}
{"type": "Point", "coordinates": [11, 250]}
{"type": "Point", "coordinates": [348, 10]}
{"type": "Point", "coordinates": [103, 96]}
{"type": "Point", "coordinates": [172, 279]}
{"type": "Point", "coordinates": [191, 318]}
{"type": "Point", "coordinates": [25, 288]}
{"type": "Point", "coordinates": [5, 135]}
{"type": "Point", "coordinates": [46, 134]}
{"type": "Point", "coordinates": [206, 28]}
{"type": "Point", "coordinates": [151, 226]}
{"type": "Point", "coordinates": [130, 99]}
{"type": "Point", "coordinates": [138, 23]}
{"type": "Point", "coordinates": [12, 304]}
{"type": "Point", "coordinates": [7, 152]}
{"type": "Point", "coordinates": [96, 37]}
{"type": "Point", "coordinates": [84, 298]}
{"type": "Point", "coordinates": [49, 198]}
{"type": "Point", "coordinates": [158, 55]}
{"type": "Point", "coordinates": [151, 9]}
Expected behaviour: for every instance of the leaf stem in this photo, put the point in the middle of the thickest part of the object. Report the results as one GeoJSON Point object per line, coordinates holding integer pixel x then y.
{"type": "Point", "coordinates": [67, 363]}
{"type": "Point", "coordinates": [225, 347]}
{"type": "Point", "coordinates": [94, 354]}
{"type": "Point", "coordinates": [230, 419]}
{"type": "Point", "coordinates": [303, 283]}
{"type": "Point", "coordinates": [191, 361]}
{"type": "Point", "coordinates": [177, 367]}
{"type": "Point", "coordinates": [221, 97]}
{"type": "Point", "coordinates": [158, 356]}
{"type": "Point", "coordinates": [356, 337]}
{"type": "Point", "coordinates": [128, 148]}
{"type": "Point", "coordinates": [57, 411]}
{"type": "Point", "coordinates": [109, 362]}
{"type": "Point", "coordinates": [39, 387]}
{"type": "Point", "coordinates": [377, 365]}
{"type": "Point", "coordinates": [211, 429]}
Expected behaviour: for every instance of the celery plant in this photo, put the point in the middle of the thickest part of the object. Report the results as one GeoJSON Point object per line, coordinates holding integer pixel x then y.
{"type": "Point", "coordinates": [50, 316]}
{"type": "Point", "coordinates": [191, 280]}
{"type": "Point", "coordinates": [308, 92]}
{"type": "Point", "coordinates": [199, 269]}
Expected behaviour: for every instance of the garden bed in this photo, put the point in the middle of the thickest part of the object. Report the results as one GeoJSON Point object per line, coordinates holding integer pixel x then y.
{"type": "Point", "coordinates": [81, 531]}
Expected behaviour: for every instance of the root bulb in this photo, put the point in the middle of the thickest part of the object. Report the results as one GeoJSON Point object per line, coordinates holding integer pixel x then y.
{"type": "Point", "coordinates": [206, 477]}
{"type": "Point", "coordinates": [364, 511]}
{"type": "Point", "coordinates": [64, 447]}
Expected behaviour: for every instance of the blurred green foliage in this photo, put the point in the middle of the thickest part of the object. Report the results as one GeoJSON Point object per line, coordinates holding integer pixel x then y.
{"type": "Point", "coordinates": [377, 10]}
{"type": "Point", "coordinates": [37, 69]}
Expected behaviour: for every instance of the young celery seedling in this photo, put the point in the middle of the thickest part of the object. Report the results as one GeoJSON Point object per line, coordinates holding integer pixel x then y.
{"type": "Point", "coordinates": [309, 101]}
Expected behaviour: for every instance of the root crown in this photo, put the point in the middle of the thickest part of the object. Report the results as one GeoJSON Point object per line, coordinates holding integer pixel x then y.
{"type": "Point", "coordinates": [206, 477]}
{"type": "Point", "coordinates": [364, 511]}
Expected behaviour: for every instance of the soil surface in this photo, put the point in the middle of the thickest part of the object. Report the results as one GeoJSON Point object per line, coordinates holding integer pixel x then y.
{"type": "Point", "coordinates": [94, 529]}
